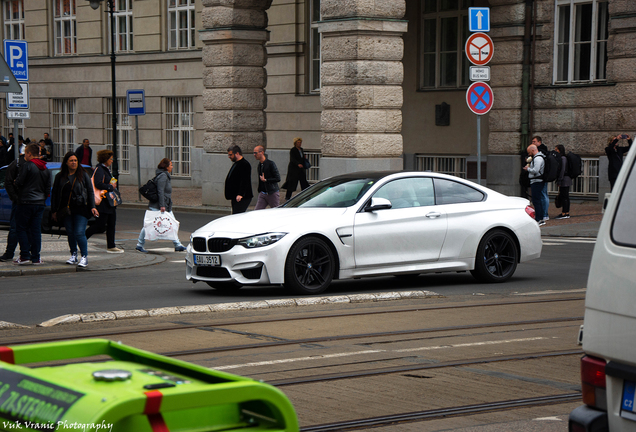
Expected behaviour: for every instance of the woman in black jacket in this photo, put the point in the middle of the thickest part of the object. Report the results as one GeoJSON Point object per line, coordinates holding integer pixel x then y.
{"type": "Point", "coordinates": [73, 201]}
{"type": "Point", "coordinates": [296, 169]}
{"type": "Point", "coordinates": [104, 181]}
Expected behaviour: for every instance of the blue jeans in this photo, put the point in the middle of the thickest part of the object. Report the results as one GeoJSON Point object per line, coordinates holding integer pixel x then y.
{"type": "Point", "coordinates": [537, 200]}
{"type": "Point", "coordinates": [141, 241]}
{"type": "Point", "coordinates": [546, 200]}
{"type": "Point", "coordinates": [12, 238]}
{"type": "Point", "coordinates": [29, 225]}
{"type": "Point", "coordinates": [75, 225]}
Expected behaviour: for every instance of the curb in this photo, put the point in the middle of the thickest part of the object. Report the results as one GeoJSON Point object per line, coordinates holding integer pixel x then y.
{"type": "Point", "coordinates": [185, 209]}
{"type": "Point", "coordinates": [224, 307]}
{"type": "Point", "coordinates": [31, 270]}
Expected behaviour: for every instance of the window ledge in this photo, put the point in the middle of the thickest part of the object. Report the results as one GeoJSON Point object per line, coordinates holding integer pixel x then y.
{"type": "Point", "coordinates": [575, 85]}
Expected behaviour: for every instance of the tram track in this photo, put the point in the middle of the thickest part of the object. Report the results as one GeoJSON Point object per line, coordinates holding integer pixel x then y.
{"type": "Point", "coordinates": [39, 338]}
{"type": "Point", "coordinates": [418, 416]}
{"type": "Point", "coordinates": [401, 369]}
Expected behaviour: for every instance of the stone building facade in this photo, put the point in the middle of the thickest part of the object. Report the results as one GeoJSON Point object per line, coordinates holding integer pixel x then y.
{"type": "Point", "coordinates": [367, 84]}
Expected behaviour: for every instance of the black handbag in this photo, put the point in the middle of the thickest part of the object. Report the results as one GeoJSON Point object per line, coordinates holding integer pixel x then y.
{"type": "Point", "coordinates": [113, 198]}
{"type": "Point", "coordinates": [558, 201]}
{"type": "Point", "coordinates": [149, 190]}
{"type": "Point", "coordinates": [306, 163]}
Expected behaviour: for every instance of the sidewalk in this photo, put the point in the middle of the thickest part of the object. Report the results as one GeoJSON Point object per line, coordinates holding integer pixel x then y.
{"type": "Point", "coordinates": [585, 222]}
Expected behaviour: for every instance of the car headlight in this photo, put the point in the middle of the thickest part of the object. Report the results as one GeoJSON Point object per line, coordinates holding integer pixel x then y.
{"type": "Point", "coordinates": [261, 240]}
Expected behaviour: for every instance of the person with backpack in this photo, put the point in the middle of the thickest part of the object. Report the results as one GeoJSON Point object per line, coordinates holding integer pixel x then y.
{"type": "Point", "coordinates": [72, 204]}
{"type": "Point", "coordinates": [564, 181]}
{"type": "Point", "coordinates": [548, 174]}
{"type": "Point", "coordinates": [164, 202]}
{"type": "Point", "coordinates": [535, 172]}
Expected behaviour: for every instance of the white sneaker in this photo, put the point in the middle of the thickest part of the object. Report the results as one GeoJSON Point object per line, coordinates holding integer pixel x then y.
{"type": "Point", "coordinates": [83, 262]}
{"type": "Point", "coordinates": [115, 250]}
{"type": "Point", "coordinates": [72, 260]}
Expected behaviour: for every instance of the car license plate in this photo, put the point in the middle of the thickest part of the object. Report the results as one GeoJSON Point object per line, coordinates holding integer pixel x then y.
{"type": "Point", "coordinates": [207, 260]}
{"type": "Point", "coordinates": [627, 406]}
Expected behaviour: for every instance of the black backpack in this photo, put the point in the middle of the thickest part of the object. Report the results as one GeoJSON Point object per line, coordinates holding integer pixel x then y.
{"type": "Point", "coordinates": [149, 190]}
{"type": "Point", "coordinates": [575, 165]}
{"type": "Point", "coordinates": [551, 167]}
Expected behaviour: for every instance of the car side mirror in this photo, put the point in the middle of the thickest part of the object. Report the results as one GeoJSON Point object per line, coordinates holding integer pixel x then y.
{"type": "Point", "coordinates": [378, 204]}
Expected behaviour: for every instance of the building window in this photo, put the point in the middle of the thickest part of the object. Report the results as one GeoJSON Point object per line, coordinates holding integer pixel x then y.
{"type": "Point", "coordinates": [451, 165]}
{"type": "Point", "coordinates": [585, 185]}
{"type": "Point", "coordinates": [124, 129]}
{"type": "Point", "coordinates": [179, 133]}
{"type": "Point", "coordinates": [7, 124]}
{"type": "Point", "coordinates": [123, 25]}
{"type": "Point", "coordinates": [65, 27]}
{"type": "Point", "coordinates": [64, 127]}
{"type": "Point", "coordinates": [314, 47]}
{"type": "Point", "coordinates": [13, 15]}
{"type": "Point", "coordinates": [443, 63]}
{"type": "Point", "coordinates": [580, 41]}
{"type": "Point", "coordinates": [181, 32]}
{"type": "Point", "coordinates": [313, 173]}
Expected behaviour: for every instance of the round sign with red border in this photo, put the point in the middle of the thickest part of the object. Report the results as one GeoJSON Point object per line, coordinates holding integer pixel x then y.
{"type": "Point", "coordinates": [479, 49]}
{"type": "Point", "coordinates": [480, 98]}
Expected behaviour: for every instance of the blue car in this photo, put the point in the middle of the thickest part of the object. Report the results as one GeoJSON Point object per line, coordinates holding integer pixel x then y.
{"type": "Point", "coordinates": [5, 202]}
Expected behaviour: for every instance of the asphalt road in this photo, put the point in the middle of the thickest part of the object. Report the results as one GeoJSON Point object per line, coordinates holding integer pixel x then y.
{"type": "Point", "coordinates": [31, 300]}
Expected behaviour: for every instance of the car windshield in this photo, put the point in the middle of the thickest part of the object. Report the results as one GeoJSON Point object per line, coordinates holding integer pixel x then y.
{"type": "Point", "coordinates": [337, 192]}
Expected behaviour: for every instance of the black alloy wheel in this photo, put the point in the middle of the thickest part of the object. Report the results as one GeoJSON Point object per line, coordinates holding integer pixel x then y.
{"type": "Point", "coordinates": [310, 266]}
{"type": "Point", "coordinates": [497, 257]}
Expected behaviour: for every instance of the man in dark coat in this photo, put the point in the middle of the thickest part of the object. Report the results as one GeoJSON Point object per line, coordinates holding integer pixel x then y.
{"type": "Point", "coordinates": [84, 153]}
{"type": "Point", "coordinates": [615, 155]}
{"type": "Point", "coordinates": [238, 183]}
{"type": "Point", "coordinates": [49, 143]}
{"type": "Point", "coordinates": [12, 238]}
{"type": "Point", "coordinates": [296, 169]}
{"type": "Point", "coordinates": [268, 178]}
{"type": "Point", "coordinates": [34, 185]}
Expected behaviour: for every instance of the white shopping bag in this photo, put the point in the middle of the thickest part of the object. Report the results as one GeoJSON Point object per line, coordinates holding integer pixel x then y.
{"type": "Point", "coordinates": [161, 226]}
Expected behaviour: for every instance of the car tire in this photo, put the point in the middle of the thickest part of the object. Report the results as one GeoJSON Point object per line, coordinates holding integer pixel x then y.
{"type": "Point", "coordinates": [310, 266]}
{"type": "Point", "coordinates": [497, 257]}
{"type": "Point", "coordinates": [225, 287]}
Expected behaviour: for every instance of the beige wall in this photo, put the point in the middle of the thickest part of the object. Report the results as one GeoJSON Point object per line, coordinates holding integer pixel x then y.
{"type": "Point", "coordinates": [421, 136]}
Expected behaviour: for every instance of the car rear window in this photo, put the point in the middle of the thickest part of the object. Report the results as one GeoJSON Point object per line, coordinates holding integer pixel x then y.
{"type": "Point", "coordinates": [623, 230]}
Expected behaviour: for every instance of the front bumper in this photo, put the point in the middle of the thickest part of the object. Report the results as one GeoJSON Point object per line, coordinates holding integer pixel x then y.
{"type": "Point", "coordinates": [258, 266]}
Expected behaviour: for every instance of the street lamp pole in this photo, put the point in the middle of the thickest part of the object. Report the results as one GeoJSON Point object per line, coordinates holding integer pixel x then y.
{"type": "Point", "coordinates": [111, 10]}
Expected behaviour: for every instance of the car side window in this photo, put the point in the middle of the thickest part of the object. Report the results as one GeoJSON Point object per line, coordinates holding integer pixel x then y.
{"type": "Point", "coordinates": [452, 192]}
{"type": "Point", "coordinates": [623, 227]}
{"type": "Point", "coordinates": [408, 192]}
{"type": "Point", "coordinates": [3, 174]}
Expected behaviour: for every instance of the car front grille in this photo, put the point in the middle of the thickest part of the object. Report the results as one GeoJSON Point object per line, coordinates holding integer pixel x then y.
{"type": "Point", "coordinates": [198, 243]}
{"type": "Point", "coordinates": [213, 272]}
{"type": "Point", "coordinates": [219, 244]}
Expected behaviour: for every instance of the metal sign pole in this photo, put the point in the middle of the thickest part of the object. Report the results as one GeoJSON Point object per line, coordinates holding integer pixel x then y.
{"type": "Point", "coordinates": [16, 144]}
{"type": "Point", "coordinates": [478, 149]}
{"type": "Point", "coordinates": [138, 157]}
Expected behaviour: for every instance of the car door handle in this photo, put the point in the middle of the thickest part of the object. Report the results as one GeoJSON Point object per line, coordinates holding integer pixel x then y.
{"type": "Point", "coordinates": [433, 215]}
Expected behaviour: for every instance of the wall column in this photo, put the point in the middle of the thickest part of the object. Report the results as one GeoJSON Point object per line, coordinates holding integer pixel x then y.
{"type": "Point", "coordinates": [361, 91]}
{"type": "Point", "coordinates": [234, 79]}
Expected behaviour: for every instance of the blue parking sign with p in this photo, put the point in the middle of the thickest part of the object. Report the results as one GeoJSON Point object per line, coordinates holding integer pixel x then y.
{"type": "Point", "coordinates": [479, 19]}
{"type": "Point", "coordinates": [16, 54]}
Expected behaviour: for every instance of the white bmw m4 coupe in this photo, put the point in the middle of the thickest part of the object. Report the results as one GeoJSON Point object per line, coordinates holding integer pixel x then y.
{"type": "Point", "coordinates": [368, 224]}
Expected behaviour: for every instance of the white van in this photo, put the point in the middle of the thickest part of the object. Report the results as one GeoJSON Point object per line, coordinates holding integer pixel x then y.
{"type": "Point", "coordinates": [608, 369]}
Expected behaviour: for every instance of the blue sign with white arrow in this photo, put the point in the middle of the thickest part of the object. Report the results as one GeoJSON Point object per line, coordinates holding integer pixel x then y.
{"type": "Point", "coordinates": [16, 54]}
{"type": "Point", "coordinates": [479, 19]}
